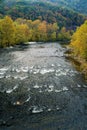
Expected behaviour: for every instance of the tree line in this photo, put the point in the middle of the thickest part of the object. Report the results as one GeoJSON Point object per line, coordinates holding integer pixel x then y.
{"type": "Point", "coordinates": [22, 30]}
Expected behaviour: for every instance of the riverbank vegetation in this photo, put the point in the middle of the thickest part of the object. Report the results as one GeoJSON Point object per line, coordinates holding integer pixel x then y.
{"type": "Point", "coordinates": [22, 30]}
{"type": "Point", "coordinates": [79, 47]}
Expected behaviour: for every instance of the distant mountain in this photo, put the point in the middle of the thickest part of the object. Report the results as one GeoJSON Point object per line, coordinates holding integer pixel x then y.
{"type": "Point", "coordinates": [78, 5]}
{"type": "Point", "coordinates": [50, 10]}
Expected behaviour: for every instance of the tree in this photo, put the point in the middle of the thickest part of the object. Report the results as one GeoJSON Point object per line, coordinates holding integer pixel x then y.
{"type": "Point", "coordinates": [42, 31]}
{"type": "Point", "coordinates": [22, 33]}
{"type": "Point", "coordinates": [7, 31]}
{"type": "Point", "coordinates": [1, 33]}
{"type": "Point", "coordinates": [64, 34]}
{"type": "Point", "coordinates": [79, 41]}
{"type": "Point", "coordinates": [53, 36]}
{"type": "Point", "coordinates": [35, 31]}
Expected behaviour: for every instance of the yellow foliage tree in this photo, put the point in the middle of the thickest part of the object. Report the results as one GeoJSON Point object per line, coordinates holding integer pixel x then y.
{"type": "Point", "coordinates": [79, 41]}
{"type": "Point", "coordinates": [7, 30]}
{"type": "Point", "coordinates": [22, 33]}
{"type": "Point", "coordinates": [43, 31]}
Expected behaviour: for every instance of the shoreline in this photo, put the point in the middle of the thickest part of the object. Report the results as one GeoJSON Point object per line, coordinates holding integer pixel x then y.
{"type": "Point", "coordinates": [79, 63]}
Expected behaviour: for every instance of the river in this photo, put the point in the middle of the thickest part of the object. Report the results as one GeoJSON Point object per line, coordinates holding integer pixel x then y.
{"type": "Point", "coordinates": [40, 89]}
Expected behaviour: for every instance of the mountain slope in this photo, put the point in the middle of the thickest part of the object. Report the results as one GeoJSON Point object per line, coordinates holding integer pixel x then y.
{"type": "Point", "coordinates": [77, 5]}
{"type": "Point", "coordinates": [47, 10]}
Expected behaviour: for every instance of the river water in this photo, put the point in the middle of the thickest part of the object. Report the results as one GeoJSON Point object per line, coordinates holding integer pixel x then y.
{"type": "Point", "coordinates": [40, 89]}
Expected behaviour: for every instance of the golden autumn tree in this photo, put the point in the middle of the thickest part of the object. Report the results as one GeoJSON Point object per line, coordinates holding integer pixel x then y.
{"type": "Point", "coordinates": [1, 45]}
{"type": "Point", "coordinates": [30, 26]}
{"type": "Point", "coordinates": [55, 29]}
{"type": "Point", "coordinates": [35, 31]}
{"type": "Point", "coordinates": [52, 30]}
{"type": "Point", "coordinates": [79, 41]}
{"type": "Point", "coordinates": [22, 33]}
{"type": "Point", "coordinates": [7, 31]}
{"type": "Point", "coordinates": [42, 31]}
{"type": "Point", "coordinates": [53, 36]}
{"type": "Point", "coordinates": [49, 32]}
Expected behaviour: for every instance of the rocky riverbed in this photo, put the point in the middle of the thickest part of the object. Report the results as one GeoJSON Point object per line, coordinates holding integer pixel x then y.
{"type": "Point", "coordinates": [40, 89]}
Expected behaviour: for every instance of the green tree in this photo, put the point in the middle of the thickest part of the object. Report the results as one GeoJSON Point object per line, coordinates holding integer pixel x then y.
{"type": "Point", "coordinates": [64, 34]}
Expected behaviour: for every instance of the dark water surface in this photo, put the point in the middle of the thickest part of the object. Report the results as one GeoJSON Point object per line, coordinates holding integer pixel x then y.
{"type": "Point", "coordinates": [40, 90]}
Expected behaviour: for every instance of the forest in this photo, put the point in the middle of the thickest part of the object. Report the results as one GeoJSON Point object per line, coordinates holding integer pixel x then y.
{"type": "Point", "coordinates": [42, 10]}
{"type": "Point", "coordinates": [22, 30]}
